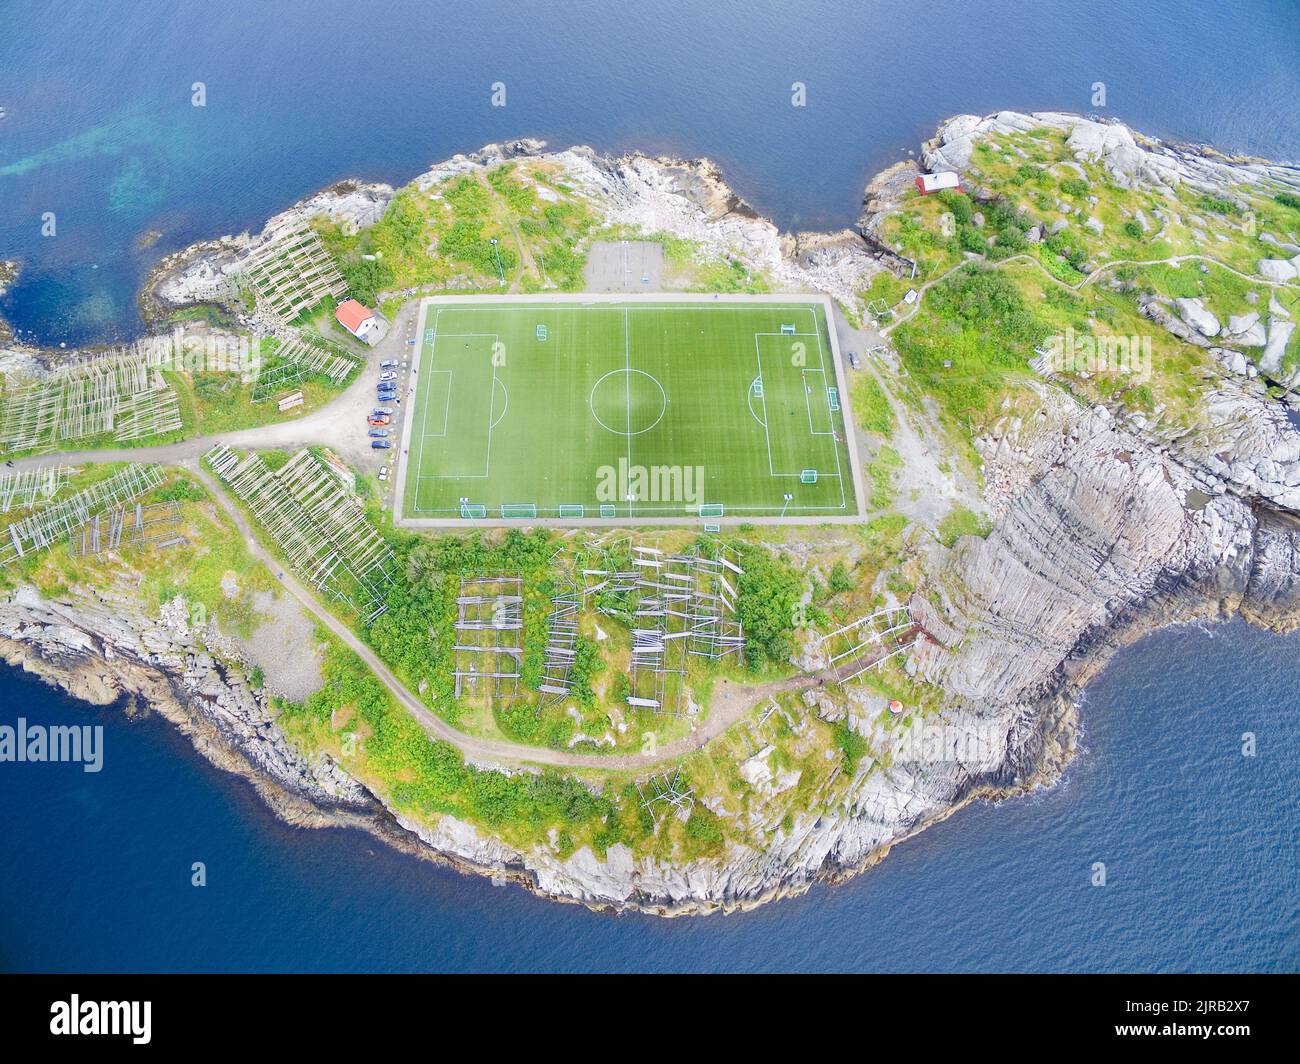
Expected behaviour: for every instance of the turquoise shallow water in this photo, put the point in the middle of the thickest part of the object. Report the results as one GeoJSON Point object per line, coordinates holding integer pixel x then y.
{"type": "Point", "coordinates": [101, 131]}
{"type": "Point", "coordinates": [1199, 844]}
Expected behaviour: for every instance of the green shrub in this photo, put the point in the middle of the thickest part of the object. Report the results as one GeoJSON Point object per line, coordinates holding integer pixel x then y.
{"type": "Point", "coordinates": [852, 746]}
{"type": "Point", "coordinates": [181, 490]}
{"type": "Point", "coordinates": [962, 522]}
{"type": "Point", "coordinates": [872, 406]}
{"type": "Point", "coordinates": [1217, 204]}
{"type": "Point", "coordinates": [769, 589]}
{"type": "Point", "coordinates": [704, 831]}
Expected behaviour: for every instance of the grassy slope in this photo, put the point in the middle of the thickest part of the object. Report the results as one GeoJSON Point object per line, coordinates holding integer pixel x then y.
{"type": "Point", "coordinates": [970, 344]}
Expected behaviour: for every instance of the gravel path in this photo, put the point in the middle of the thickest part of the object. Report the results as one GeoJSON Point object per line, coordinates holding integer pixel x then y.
{"type": "Point", "coordinates": [333, 426]}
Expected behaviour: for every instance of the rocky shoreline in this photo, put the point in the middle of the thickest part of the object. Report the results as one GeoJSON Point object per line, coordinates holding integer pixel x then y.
{"type": "Point", "coordinates": [1106, 528]}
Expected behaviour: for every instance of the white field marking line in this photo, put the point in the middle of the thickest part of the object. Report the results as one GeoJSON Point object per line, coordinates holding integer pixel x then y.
{"type": "Point", "coordinates": [432, 345]}
{"type": "Point", "coordinates": [627, 374]}
{"type": "Point", "coordinates": [446, 407]}
{"type": "Point", "coordinates": [491, 424]}
{"type": "Point", "coordinates": [835, 448]}
{"type": "Point", "coordinates": [720, 301]}
{"type": "Point", "coordinates": [506, 392]}
{"type": "Point", "coordinates": [492, 405]}
{"type": "Point", "coordinates": [767, 432]}
{"type": "Point", "coordinates": [627, 379]}
{"type": "Point", "coordinates": [651, 509]}
{"type": "Point", "coordinates": [749, 400]}
{"type": "Point", "coordinates": [807, 402]}
{"type": "Point", "coordinates": [403, 467]}
{"type": "Point", "coordinates": [739, 304]}
{"type": "Point", "coordinates": [821, 362]}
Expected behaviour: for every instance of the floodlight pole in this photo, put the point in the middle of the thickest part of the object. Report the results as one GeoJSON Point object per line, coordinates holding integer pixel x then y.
{"type": "Point", "coordinates": [500, 272]}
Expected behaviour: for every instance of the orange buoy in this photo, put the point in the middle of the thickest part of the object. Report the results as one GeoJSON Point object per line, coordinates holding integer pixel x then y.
{"type": "Point", "coordinates": [895, 706]}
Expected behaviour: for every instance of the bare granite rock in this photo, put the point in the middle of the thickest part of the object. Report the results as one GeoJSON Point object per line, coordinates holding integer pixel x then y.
{"type": "Point", "coordinates": [1105, 526]}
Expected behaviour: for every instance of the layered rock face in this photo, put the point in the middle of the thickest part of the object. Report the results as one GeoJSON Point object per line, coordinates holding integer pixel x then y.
{"type": "Point", "coordinates": [207, 271]}
{"type": "Point", "coordinates": [101, 650]}
{"type": "Point", "coordinates": [1104, 530]}
{"type": "Point", "coordinates": [687, 199]}
{"type": "Point", "coordinates": [1096, 529]}
{"type": "Point", "coordinates": [1128, 157]}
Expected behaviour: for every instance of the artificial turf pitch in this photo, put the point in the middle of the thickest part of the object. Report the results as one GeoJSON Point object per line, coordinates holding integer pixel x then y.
{"type": "Point", "coordinates": [565, 409]}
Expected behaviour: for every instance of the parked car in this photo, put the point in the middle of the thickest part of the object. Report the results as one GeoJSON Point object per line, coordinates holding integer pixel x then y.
{"type": "Point", "coordinates": [384, 394]}
{"type": "Point", "coordinates": [854, 361]}
{"type": "Point", "coordinates": [378, 433]}
{"type": "Point", "coordinates": [380, 445]}
{"type": "Point", "coordinates": [383, 472]}
{"type": "Point", "coordinates": [381, 419]}
{"type": "Point", "coordinates": [377, 411]}
{"type": "Point", "coordinates": [389, 363]}
{"type": "Point", "coordinates": [387, 377]}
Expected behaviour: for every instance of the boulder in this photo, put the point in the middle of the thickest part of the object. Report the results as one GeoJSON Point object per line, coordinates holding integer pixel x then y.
{"type": "Point", "coordinates": [1277, 269]}
{"type": "Point", "coordinates": [1279, 334]}
{"type": "Point", "coordinates": [1232, 361]}
{"type": "Point", "coordinates": [1246, 329]}
{"type": "Point", "coordinates": [1287, 246]}
{"type": "Point", "coordinates": [1196, 315]}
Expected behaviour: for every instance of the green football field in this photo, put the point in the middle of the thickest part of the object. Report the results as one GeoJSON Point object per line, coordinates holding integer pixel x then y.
{"type": "Point", "coordinates": [626, 409]}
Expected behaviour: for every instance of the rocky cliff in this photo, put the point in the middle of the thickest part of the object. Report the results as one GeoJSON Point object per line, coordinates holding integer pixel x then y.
{"type": "Point", "coordinates": [1106, 527]}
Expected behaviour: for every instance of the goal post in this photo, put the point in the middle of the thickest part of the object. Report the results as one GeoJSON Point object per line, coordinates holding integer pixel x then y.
{"type": "Point", "coordinates": [808, 476]}
{"type": "Point", "coordinates": [473, 510]}
{"type": "Point", "coordinates": [511, 510]}
{"type": "Point", "coordinates": [571, 509]}
{"type": "Point", "coordinates": [711, 509]}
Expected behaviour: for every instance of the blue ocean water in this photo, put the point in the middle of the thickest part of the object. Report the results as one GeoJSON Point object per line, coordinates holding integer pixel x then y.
{"type": "Point", "coordinates": [1199, 843]}
{"type": "Point", "coordinates": [94, 869]}
{"type": "Point", "coordinates": [100, 129]}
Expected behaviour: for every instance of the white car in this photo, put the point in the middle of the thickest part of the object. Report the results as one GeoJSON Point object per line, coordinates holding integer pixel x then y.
{"type": "Point", "coordinates": [383, 472]}
{"type": "Point", "coordinates": [388, 376]}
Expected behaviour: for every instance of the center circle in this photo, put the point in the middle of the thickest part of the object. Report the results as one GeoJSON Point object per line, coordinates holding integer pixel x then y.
{"type": "Point", "coordinates": [627, 402]}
